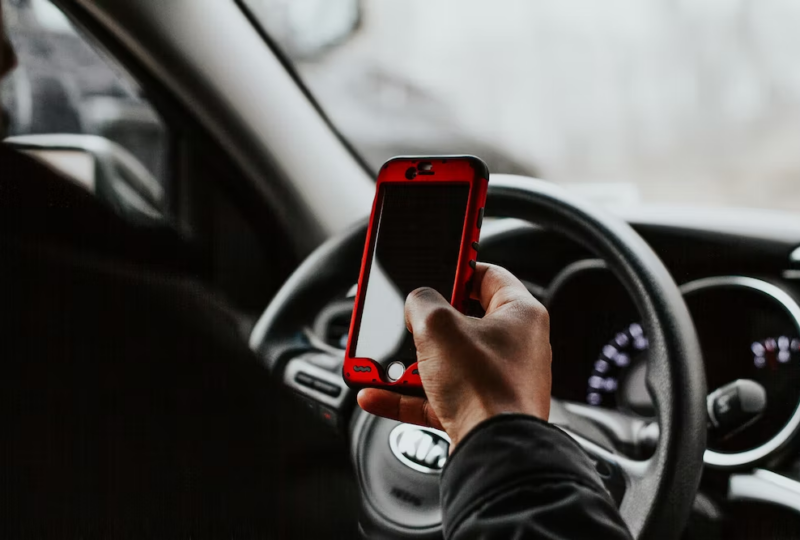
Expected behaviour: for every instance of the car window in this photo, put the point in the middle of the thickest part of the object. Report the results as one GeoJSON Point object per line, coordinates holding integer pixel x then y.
{"type": "Point", "coordinates": [663, 101]}
{"type": "Point", "coordinates": [63, 85]}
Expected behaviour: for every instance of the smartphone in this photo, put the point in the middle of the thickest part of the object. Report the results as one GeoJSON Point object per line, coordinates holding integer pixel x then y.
{"type": "Point", "coordinates": [423, 232]}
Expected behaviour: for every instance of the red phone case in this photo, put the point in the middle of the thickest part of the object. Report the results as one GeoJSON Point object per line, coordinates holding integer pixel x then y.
{"type": "Point", "coordinates": [365, 372]}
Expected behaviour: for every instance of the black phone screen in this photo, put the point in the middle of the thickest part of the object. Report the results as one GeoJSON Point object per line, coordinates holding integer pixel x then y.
{"type": "Point", "coordinates": [417, 236]}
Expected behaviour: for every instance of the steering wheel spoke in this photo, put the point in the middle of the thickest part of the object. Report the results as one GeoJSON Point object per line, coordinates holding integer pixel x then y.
{"type": "Point", "coordinates": [623, 477]}
{"type": "Point", "coordinates": [601, 433]}
{"type": "Point", "coordinates": [630, 434]}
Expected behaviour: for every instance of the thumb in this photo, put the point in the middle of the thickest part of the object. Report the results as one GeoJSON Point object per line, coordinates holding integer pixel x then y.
{"type": "Point", "coordinates": [428, 314]}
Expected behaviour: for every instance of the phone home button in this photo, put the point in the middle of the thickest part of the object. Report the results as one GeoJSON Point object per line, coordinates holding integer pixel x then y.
{"type": "Point", "coordinates": [395, 371]}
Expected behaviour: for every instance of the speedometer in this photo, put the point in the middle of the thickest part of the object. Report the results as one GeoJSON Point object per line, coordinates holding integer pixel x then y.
{"type": "Point", "coordinates": [619, 360]}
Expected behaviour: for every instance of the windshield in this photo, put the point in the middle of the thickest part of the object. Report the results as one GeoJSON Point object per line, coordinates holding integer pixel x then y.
{"type": "Point", "coordinates": [628, 102]}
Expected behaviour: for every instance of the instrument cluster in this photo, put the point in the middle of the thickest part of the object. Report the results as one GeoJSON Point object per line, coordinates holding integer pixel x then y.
{"type": "Point", "coordinates": [748, 329]}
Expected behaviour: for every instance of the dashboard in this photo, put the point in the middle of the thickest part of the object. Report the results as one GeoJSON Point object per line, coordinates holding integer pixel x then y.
{"type": "Point", "coordinates": [741, 286]}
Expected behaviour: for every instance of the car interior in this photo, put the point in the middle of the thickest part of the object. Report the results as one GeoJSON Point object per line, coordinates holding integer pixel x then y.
{"type": "Point", "coordinates": [181, 242]}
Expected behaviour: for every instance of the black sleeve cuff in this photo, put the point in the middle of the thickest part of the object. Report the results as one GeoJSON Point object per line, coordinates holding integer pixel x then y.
{"type": "Point", "coordinates": [503, 452]}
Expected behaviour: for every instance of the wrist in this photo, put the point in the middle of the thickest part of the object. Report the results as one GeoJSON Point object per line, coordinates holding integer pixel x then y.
{"type": "Point", "coordinates": [467, 421]}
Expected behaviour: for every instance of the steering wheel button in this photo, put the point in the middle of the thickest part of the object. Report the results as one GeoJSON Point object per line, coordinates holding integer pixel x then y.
{"type": "Point", "coordinates": [305, 379]}
{"type": "Point", "coordinates": [328, 416]}
{"type": "Point", "coordinates": [329, 389]}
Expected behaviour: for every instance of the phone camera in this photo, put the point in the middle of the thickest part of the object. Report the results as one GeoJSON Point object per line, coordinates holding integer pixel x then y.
{"type": "Point", "coordinates": [411, 173]}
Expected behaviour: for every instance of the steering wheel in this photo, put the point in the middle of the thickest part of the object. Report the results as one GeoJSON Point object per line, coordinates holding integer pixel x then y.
{"type": "Point", "coordinates": [400, 496]}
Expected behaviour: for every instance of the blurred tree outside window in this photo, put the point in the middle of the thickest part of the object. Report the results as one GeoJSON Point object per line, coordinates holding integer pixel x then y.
{"type": "Point", "coordinates": [689, 102]}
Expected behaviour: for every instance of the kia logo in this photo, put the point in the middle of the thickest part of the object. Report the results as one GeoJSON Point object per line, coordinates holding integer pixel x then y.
{"type": "Point", "coordinates": [420, 448]}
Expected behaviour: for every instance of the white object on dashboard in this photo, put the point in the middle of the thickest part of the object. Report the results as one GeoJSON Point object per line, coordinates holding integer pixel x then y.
{"type": "Point", "coordinates": [765, 486]}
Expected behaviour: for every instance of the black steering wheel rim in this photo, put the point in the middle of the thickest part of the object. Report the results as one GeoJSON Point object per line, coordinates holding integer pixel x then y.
{"type": "Point", "coordinates": [676, 378]}
{"type": "Point", "coordinates": [661, 490]}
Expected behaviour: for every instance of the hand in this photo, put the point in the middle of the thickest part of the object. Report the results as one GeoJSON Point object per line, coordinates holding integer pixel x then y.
{"type": "Point", "coordinates": [473, 369]}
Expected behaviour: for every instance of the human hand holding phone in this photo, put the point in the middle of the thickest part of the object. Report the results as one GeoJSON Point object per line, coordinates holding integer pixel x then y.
{"type": "Point", "coordinates": [473, 369]}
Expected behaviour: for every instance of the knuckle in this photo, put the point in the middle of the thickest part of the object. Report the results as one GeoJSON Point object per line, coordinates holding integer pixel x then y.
{"type": "Point", "coordinates": [492, 275]}
{"type": "Point", "coordinates": [499, 276]}
{"type": "Point", "coordinates": [536, 313]}
{"type": "Point", "coordinates": [542, 314]}
{"type": "Point", "coordinates": [439, 318]}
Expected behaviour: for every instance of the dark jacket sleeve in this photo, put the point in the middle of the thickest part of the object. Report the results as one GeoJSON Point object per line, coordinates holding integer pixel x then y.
{"type": "Point", "coordinates": [515, 476]}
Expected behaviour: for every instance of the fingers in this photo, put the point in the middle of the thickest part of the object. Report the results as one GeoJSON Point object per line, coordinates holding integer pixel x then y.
{"type": "Point", "coordinates": [408, 409]}
{"type": "Point", "coordinates": [495, 286]}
